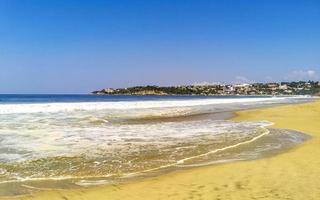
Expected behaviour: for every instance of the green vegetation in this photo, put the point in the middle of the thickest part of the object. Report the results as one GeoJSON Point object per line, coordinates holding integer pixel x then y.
{"type": "Point", "coordinates": [283, 88]}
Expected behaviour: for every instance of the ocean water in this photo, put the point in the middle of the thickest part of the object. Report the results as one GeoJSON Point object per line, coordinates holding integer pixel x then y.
{"type": "Point", "coordinates": [80, 140]}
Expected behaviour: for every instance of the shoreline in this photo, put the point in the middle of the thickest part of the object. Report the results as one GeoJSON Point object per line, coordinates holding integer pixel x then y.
{"type": "Point", "coordinates": [195, 182]}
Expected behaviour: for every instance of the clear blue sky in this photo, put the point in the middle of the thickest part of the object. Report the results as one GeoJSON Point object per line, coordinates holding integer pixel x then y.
{"type": "Point", "coordinates": [76, 46]}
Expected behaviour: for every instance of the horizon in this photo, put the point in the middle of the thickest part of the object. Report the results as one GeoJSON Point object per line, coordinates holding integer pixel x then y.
{"type": "Point", "coordinates": [64, 47]}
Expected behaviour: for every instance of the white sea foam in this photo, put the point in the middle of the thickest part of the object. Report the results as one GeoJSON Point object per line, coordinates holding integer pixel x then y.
{"type": "Point", "coordinates": [112, 144]}
{"type": "Point", "coordinates": [127, 105]}
{"type": "Point", "coordinates": [55, 141]}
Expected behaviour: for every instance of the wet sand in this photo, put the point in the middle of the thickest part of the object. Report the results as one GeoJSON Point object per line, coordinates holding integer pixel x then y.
{"type": "Point", "coordinates": [290, 175]}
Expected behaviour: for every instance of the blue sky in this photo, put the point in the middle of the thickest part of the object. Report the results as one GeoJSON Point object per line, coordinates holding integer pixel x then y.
{"type": "Point", "coordinates": [56, 46]}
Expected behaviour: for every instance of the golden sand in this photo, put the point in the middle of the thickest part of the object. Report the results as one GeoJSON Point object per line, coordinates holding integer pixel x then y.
{"type": "Point", "coordinates": [292, 175]}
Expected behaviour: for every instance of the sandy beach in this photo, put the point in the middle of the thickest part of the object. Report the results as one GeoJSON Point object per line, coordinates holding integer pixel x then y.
{"type": "Point", "coordinates": [290, 175]}
{"type": "Point", "coordinates": [159, 100]}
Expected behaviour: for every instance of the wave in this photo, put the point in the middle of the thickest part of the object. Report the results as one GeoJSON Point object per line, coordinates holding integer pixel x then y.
{"type": "Point", "coordinates": [84, 141]}
{"type": "Point", "coordinates": [266, 142]}
{"type": "Point", "coordinates": [262, 132]}
{"type": "Point", "coordinates": [129, 105]}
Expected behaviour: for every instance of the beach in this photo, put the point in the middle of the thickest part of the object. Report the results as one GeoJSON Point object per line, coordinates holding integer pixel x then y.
{"type": "Point", "coordinates": [290, 175]}
{"type": "Point", "coordinates": [159, 100]}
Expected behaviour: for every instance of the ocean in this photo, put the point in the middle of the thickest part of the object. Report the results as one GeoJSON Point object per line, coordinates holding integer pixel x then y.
{"type": "Point", "coordinates": [70, 141]}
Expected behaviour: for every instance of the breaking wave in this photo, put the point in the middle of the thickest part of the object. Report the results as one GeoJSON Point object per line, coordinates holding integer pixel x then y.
{"type": "Point", "coordinates": [99, 142]}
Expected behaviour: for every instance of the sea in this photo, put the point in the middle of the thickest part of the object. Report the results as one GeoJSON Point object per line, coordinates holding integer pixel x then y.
{"type": "Point", "coordinates": [73, 141]}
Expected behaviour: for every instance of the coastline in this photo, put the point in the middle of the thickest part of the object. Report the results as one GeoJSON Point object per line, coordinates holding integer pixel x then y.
{"type": "Point", "coordinates": [291, 175]}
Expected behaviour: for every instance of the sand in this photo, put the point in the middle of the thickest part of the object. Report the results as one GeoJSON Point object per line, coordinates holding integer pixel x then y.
{"type": "Point", "coordinates": [291, 175]}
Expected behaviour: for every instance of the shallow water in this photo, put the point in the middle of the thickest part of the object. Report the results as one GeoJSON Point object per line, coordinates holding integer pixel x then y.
{"type": "Point", "coordinates": [80, 143]}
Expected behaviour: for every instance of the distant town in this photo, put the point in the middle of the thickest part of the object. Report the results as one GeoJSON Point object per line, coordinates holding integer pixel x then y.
{"type": "Point", "coordinates": [283, 88]}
